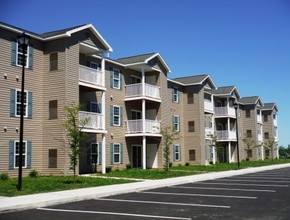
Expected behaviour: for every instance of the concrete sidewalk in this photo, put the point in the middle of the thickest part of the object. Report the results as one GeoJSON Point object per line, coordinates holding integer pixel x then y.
{"type": "Point", "coordinates": [18, 203]}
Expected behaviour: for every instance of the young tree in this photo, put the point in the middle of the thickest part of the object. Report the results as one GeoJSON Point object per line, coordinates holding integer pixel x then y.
{"type": "Point", "coordinates": [250, 143]}
{"type": "Point", "coordinates": [270, 144]}
{"type": "Point", "coordinates": [216, 145]}
{"type": "Point", "coordinates": [168, 136]}
{"type": "Point", "coordinates": [75, 135]}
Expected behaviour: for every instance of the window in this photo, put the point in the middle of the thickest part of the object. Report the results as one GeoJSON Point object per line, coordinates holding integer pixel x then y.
{"type": "Point", "coordinates": [191, 127]}
{"type": "Point", "coordinates": [248, 113]}
{"type": "Point", "coordinates": [176, 123]}
{"type": "Point", "coordinates": [52, 109]}
{"type": "Point", "coordinates": [175, 95]}
{"type": "Point", "coordinates": [116, 115]}
{"type": "Point", "coordinates": [176, 152]}
{"type": "Point", "coordinates": [266, 135]}
{"type": "Point", "coordinates": [16, 154]}
{"type": "Point", "coordinates": [190, 98]}
{"type": "Point", "coordinates": [267, 153]}
{"type": "Point", "coordinates": [53, 61]}
{"type": "Point", "coordinates": [17, 55]}
{"type": "Point", "coordinates": [14, 151]}
{"type": "Point", "coordinates": [94, 65]}
{"type": "Point", "coordinates": [249, 153]}
{"type": "Point", "coordinates": [135, 79]}
{"type": "Point", "coordinates": [15, 103]}
{"type": "Point", "coordinates": [116, 79]}
{"type": "Point", "coordinates": [136, 115]}
{"type": "Point", "coordinates": [265, 118]}
{"type": "Point", "coordinates": [116, 153]}
{"type": "Point", "coordinates": [274, 116]}
{"type": "Point", "coordinates": [249, 133]}
{"type": "Point", "coordinates": [20, 56]}
{"type": "Point", "coordinates": [192, 155]}
{"type": "Point", "coordinates": [52, 158]}
{"type": "Point", "coordinates": [94, 154]}
{"type": "Point", "coordinates": [18, 103]}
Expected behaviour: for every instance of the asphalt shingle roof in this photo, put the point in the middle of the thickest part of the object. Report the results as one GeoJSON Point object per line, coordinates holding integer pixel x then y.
{"type": "Point", "coordinates": [268, 106]}
{"type": "Point", "coordinates": [249, 100]}
{"type": "Point", "coordinates": [191, 79]}
{"type": "Point", "coordinates": [226, 90]}
{"type": "Point", "coordinates": [135, 59]}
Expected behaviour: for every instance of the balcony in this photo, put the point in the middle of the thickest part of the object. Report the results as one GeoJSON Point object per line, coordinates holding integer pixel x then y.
{"type": "Point", "coordinates": [91, 77]}
{"type": "Point", "coordinates": [225, 112]}
{"type": "Point", "coordinates": [208, 105]}
{"type": "Point", "coordinates": [259, 119]}
{"type": "Point", "coordinates": [260, 138]}
{"type": "Point", "coordinates": [95, 123]}
{"type": "Point", "coordinates": [226, 135]}
{"type": "Point", "coordinates": [208, 132]}
{"type": "Point", "coordinates": [136, 126]}
{"type": "Point", "coordinates": [135, 91]}
{"type": "Point", "coordinates": [275, 122]}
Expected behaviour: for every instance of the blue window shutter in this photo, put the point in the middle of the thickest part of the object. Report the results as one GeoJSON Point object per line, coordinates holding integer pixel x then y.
{"type": "Point", "coordinates": [121, 80]}
{"type": "Point", "coordinates": [121, 153]}
{"type": "Point", "coordinates": [12, 102]}
{"type": "Point", "coordinates": [112, 153]}
{"type": "Point", "coordinates": [29, 104]}
{"type": "Point", "coordinates": [11, 155]}
{"type": "Point", "coordinates": [111, 79]}
{"type": "Point", "coordinates": [111, 115]}
{"type": "Point", "coordinates": [180, 152]}
{"type": "Point", "coordinates": [172, 94]}
{"type": "Point", "coordinates": [177, 95]}
{"type": "Point", "coordinates": [121, 116]}
{"type": "Point", "coordinates": [173, 122]}
{"type": "Point", "coordinates": [28, 154]}
{"type": "Point", "coordinates": [100, 153]}
{"type": "Point", "coordinates": [88, 153]}
{"type": "Point", "coordinates": [173, 152]}
{"type": "Point", "coordinates": [13, 53]}
{"type": "Point", "coordinates": [30, 59]}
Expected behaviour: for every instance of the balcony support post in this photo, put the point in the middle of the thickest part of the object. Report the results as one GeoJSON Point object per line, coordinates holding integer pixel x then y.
{"type": "Point", "coordinates": [144, 152]}
{"type": "Point", "coordinates": [103, 71]}
{"type": "Point", "coordinates": [103, 153]}
{"type": "Point", "coordinates": [230, 152]}
{"type": "Point", "coordinates": [103, 109]}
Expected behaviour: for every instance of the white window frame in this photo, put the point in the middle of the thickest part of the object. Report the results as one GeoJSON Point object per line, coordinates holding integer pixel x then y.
{"type": "Point", "coordinates": [24, 154]}
{"type": "Point", "coordinates": [117, 79]}
{"type": "Point", "coordinates": [116, 116]}
{"type": "Point", "coordinates": [18, 53]}
{"type": "Point", "coordinates": [117, 153]}
{"type": "Point", "coordinates": [175, 94]}
{"type": "Point", "coordinates": [95, 153]}
{"type": "Point", "coordinates": [137, 112]}
{"type": "Point", "coordinates": [176, 149]}
{"type": "Point", "coordinates": [176, 123]}
{"type": "Point", "coordinates": [19, 103]}
{"type": "Point", "coordinates": [136, 78]}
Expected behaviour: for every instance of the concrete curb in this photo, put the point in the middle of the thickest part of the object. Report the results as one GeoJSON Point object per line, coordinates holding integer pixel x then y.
{"type": "Point", "coordinates": [18, 203]}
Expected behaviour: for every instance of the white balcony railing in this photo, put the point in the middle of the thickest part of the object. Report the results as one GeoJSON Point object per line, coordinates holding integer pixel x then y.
{"type": "Point", "coordinates": [260, 138]}
{"type": "Point", "coordinates": [208, 132]}
{"type": "Point", "coordinates": [136, 126]}
{"type": "Point", "coordinates": [227, 135]}
{"type": "Point", "coordinates": [135, 90]}
{"type": "Point", "coordinates": [225, 111]}
{"type": "Point", "coordinates": [208, 105]}
{"type": "Point", "coordinates": [275, 122]}
{"type": "Point", "coordinates": [91, 76]}
{"type": "Point", "coordinates": [95, 120]}
{"type": "Point", "coordinates": [259, 119]}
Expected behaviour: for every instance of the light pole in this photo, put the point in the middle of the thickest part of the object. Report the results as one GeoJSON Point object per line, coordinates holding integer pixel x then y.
{"type": "Point", "coordinates": [236, 105]}
{"type": "Point", "coordinates": [23, 41]}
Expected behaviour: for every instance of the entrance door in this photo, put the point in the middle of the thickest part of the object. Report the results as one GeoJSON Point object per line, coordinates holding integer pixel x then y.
{"type": "Point", "coordinates": [136, 156]}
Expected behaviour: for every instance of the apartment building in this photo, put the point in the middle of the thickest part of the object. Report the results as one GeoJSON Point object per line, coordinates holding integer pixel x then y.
{"type": "Point", "coordinates": [270, 128]}
{"type": "Point", "coordinates": [128, 100]}
{"type": "Point", "coordinates": [252, 130]}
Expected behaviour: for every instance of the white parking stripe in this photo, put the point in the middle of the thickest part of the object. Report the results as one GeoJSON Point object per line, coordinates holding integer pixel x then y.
{"type": "Point", "coordinates": [221, 188]}
{"type": "Point", "coordinates": [113, 213]}
{"type": "Point", "coordinates": [244, 184]}
{"type": "Point", "coordinates": [259, 181]}
{"type": "Point", "coordinates": [202, 195]}
{"type": "Point", "coordinates": [259, 177]}
{"type": "Point", "coordinates": [165, 203]}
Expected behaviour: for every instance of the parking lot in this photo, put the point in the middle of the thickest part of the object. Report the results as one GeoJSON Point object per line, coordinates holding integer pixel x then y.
{"type": "Point", "coordinates": [263, 195]}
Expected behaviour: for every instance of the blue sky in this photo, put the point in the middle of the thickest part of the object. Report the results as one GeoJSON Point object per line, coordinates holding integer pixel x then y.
{"type": "Point", "coordinates": [245, 43]}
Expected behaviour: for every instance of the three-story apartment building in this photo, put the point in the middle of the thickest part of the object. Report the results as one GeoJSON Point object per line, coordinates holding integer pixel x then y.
{"type": "Point", "coordinates": [128, 101]}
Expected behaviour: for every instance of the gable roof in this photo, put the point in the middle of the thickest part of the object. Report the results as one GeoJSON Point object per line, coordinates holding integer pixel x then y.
{"type": "Point", "coordinates": [270, 106]}
{"type": "Point", "coordinates": [225, 91]}
{"type": "Point", "coordinates": [52, 35]}
{"type": "Point", "coordinates": [193, 80]}
{"type": "Point", "coordinates": [250, 100]}
{"type": "Point", "coordinates": [142, 59]}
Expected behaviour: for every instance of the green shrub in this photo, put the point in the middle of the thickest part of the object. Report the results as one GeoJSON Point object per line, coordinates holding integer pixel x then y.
{"type": "Point", "coordinates": [128, 166]}
{"type": "Point", "coordinates": [187, 164]}
{"type": "Point", "coordinates": [4, 176]}
{"type": "Point", "coordinates": [109, 169]}
{"type": "Point", "coordinates": [33, 174]}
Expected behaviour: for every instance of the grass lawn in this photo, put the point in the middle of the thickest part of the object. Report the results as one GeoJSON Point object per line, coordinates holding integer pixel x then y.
{"type": "Point", "coordinates": [52, 183]}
